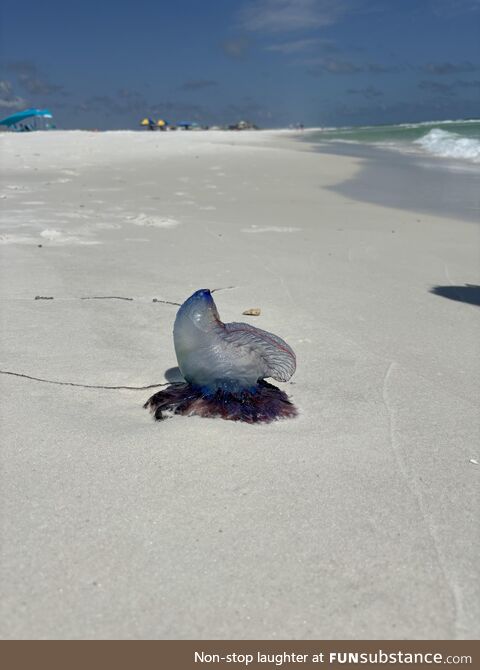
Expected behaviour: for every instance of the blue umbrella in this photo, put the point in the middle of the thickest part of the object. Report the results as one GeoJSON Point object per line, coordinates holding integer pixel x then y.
{"type": "Point", "coordinates": [26, 114]}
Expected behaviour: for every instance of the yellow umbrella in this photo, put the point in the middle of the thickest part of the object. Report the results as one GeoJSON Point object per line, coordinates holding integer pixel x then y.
{"type": "Point", "coordinates": [160, 122]}
{"type": "Point", "coordinates": [146, 122]}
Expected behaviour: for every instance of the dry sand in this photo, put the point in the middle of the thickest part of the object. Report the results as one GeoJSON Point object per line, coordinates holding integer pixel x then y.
{"type": "Point", "coordinates": [359, 519]}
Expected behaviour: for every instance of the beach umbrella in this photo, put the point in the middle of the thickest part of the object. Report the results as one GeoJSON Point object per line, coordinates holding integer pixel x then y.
{"type": "Point", "coordinates": [25, 114]}
{"type": "Point", "coordinates": [161, 123]}
{"type": "Point", "coordinates": [147, 122]}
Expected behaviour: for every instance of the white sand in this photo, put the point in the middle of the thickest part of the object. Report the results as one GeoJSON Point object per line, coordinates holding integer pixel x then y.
{"type": "Point", "coordinates": [359, 519]}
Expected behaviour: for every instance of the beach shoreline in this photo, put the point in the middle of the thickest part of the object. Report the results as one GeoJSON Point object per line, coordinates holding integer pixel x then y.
{"type": "Point", "coordinates": [401, 178]}
{"type": "Point", "coordinates": [354, 521]}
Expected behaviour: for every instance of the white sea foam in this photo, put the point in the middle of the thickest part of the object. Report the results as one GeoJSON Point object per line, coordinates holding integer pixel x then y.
{"type": "Point", "coordinates": [59, 237]}
{"type": "Point", "coordinates": [51, 234]}
{"type": "Point", "coordinates": [450, 145]}
{"type": "Point", "coordinates": [153, 221]}
{"type": "Point", "coordinates": [55, 237]}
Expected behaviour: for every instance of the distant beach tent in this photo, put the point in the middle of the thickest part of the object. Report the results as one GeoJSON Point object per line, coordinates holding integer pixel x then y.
{"type": "Point", "coordinates": [186, 124]}
{"type": "Point", "coordinates": [16, 121]}
{"type": "Point", "coordinates": [161, 123]}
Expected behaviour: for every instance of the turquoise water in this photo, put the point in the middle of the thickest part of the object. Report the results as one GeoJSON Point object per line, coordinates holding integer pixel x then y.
{"type": "Point", "coordinates": [449, 139]}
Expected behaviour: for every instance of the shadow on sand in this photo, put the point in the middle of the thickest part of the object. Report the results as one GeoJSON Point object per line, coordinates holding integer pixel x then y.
{"type": "Point", "coordinates": [469, 293]}
{"type": "Point", "coordinates": [173, 375]}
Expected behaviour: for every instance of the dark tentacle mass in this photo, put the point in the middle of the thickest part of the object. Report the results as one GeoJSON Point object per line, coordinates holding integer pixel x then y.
{"type": "Point", "coordinates": [263, 404]}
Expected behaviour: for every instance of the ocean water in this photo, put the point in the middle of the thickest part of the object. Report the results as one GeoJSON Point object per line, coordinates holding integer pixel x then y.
{"type": "Point", "coordinates": [418, 167]}
{"type": "Point", "coordinates": [459, 140]}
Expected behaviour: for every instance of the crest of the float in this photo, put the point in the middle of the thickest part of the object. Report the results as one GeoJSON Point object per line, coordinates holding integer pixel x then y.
{"type": "Point", "coordinates": [29, 119]}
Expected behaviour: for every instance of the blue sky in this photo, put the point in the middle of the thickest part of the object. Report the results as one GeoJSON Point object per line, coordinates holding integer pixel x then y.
{"type": "Point", "coordinates": [275, 62]}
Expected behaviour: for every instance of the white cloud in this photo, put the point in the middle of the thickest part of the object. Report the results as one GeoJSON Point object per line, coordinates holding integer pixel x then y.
{"type": "Point", "coordinates": [13, 103]}
{"type": "Point", "coordinates": [32, 80]}
{"type": "Point", "coordinates": [6, 87]}
{"type": "Point", "coordinates": [7, 99]}
{"type": "Point", "coordinates": [288, 15]}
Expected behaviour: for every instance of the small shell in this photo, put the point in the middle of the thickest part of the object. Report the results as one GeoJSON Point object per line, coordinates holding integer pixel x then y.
{"type": "Point", "coordinates": [253, 311]}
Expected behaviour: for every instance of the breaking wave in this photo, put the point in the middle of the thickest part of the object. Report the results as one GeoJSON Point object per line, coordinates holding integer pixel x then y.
{"type": "Point", "coordinates": [450, 139]}
{"type": "Point", "coordinates": [450, 145]}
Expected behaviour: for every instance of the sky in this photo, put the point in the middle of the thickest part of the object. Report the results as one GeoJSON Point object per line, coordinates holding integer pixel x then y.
{"type": "Point", "coordinates": [274, 62]}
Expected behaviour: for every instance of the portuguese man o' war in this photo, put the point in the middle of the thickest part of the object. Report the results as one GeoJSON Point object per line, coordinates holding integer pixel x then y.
{"type": "Point", "coordinates": [225, 366]}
